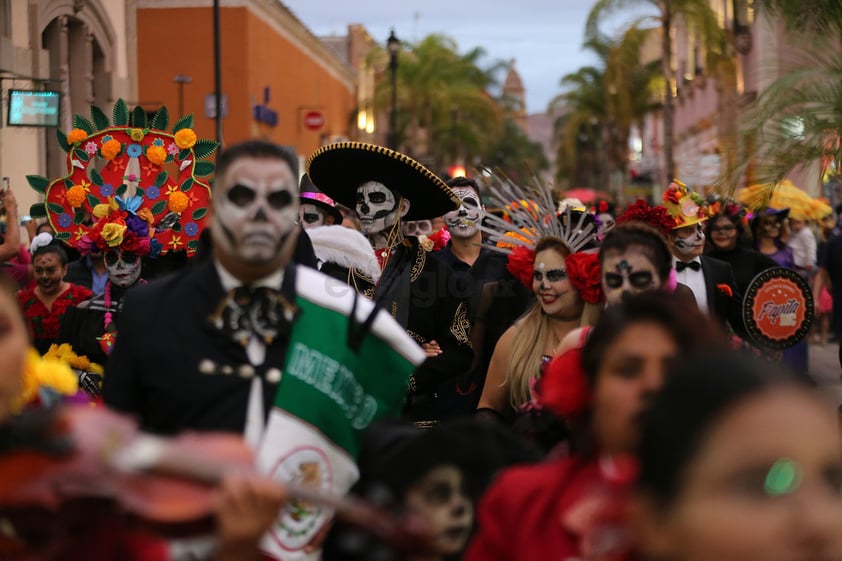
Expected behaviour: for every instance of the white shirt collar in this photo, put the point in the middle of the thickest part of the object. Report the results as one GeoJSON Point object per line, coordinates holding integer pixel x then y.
{"type": "Point", "coordinates": [230, 282]}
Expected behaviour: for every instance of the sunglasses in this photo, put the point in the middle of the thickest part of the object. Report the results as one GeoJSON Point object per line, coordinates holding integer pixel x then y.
{"type": "Point", "coordinates": [112, 257]}
{"type": "Point", "coordinates": [553, 275]}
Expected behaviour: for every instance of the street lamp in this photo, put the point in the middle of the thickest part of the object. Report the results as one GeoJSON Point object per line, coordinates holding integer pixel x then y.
{"type": "Point", "coordinates": [181, 79]}
{"type": "Point", "coordinates": [394, 45]}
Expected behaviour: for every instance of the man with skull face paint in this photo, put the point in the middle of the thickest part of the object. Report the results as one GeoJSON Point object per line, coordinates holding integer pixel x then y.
{"type": "Point", "coordinates": [711, 280]}
{"type": "Point", "coordinates": [386, 188]}
{"type": "Point", "coordinates": [198, 374]}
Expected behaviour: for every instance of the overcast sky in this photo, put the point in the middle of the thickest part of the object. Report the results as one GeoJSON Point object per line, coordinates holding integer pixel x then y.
{"type": "Point", "coordinates": [543, 36]}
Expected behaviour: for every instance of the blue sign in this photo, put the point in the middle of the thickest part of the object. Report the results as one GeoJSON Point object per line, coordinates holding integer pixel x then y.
{"type": "Point", "coordinates": [262, 114]}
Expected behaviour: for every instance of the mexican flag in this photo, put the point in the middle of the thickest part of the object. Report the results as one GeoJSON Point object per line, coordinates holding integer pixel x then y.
{"type": "Point", "coordinates": [338, 379]}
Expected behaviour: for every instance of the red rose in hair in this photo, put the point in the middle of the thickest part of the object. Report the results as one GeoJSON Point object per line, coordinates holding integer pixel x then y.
{"type": "Point", "coordinates": [563, 388]}
{"type": "Point", "coordinates": [584, 273]}
{"type": "Point", "coordinates": [657, 217]}
{"type": "Point", "coordinates": [520, 264]}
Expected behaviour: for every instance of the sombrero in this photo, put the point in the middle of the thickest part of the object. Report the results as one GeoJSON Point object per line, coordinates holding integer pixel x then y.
{"type": "Point", "coordinates": [310, 194]}
{"type": "Point", "coordinates": [338, 169]}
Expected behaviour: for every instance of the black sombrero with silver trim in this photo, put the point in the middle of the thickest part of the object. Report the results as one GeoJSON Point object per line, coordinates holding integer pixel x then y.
{"type": "Point", "coordinates": [338, 169]}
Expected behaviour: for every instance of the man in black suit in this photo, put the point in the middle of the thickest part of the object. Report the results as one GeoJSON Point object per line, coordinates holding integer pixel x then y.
{"type": "Point", "coordinates": [711, 280]}
{"type": "Point", "coordinates": [184, 358]}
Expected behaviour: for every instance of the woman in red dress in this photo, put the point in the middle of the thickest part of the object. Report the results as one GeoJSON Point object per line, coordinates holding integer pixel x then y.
{"type": "Point", "coordinates": [45, 304]}
{"type": "Point", "coordinates": [573, 508]}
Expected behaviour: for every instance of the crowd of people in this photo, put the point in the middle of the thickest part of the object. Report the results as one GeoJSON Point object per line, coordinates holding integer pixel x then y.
{"type": "Point", "coordinates": [579, 385]}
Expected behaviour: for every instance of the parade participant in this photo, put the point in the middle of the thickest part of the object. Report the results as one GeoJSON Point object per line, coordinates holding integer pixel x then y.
{"type": "Point", "coordinates": [388, 188]}
{"type": "Point", "coordinates": [317, 209]}
{"type": "Point", "coordinates": [161, 379]}
{"type": "Point", "coordinates": [712, 281]}
{"type": "Point", "coordinates": [131, 207]}
{"type": "Point", "coordinates": [564, 508]}
{"type": "Point", "coordinates": [45, 306]}
{"type": "Point", "coordinates": [737, 462]}
{"type": "Point", "coordinates": [89, 271]}
{"type": "Point", "coordinates": [725, 241]}
{"type": "Point", "coordinates": [245, 507]}
{"type": "Point", "coordinates": [567, 292]}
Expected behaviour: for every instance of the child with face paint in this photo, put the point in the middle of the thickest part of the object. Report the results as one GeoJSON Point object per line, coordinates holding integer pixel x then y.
{"type": "Point", "coordinates": [738, 462]}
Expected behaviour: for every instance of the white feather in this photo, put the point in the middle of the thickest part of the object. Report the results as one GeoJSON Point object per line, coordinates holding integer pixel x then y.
{"type": "Point", "coordinates": [345, 247]}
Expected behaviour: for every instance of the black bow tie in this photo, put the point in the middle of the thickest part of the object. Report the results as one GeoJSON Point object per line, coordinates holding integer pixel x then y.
{"type": "Point", "coordinates": [246, 311]}
{"type": "Point", "coordinates": [681, 265]}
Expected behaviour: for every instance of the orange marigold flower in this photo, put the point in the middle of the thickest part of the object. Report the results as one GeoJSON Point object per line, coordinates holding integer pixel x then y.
{"type": "Point", "coordinates": [76, 136]}
{"type": "Point", "coordinates": [185, 138]}
{"type": "Point", "coordinates": [111, 149]}
{"type": "Point", "coordinates": [156, 154]}
{"type": "Point", "coordinates": [75, 196]}
{"type": "Point", "coordinates": [178, 202]}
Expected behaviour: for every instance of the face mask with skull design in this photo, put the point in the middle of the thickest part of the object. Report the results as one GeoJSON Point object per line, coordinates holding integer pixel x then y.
{"type": "Point", "coordinates": [311, 216]}
{"type": "Point", "coordinates": [464, 222]}
{"type": "Point", "coordinates": [377, 207]}
{"type": "Point", "coordinates": [692, 244]}
{"type": "Point", "coordinates": [123, 268]}
{"type": "Point", "coordinates": [257, 212]}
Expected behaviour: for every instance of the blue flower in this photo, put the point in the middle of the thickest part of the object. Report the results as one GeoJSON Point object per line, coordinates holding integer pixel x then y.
{"type": "Point", "coordinates": [106, 190]}
{"type": "Point", "coordinates": [191, 229]}
{"type": "Point", "coordinates": [135, 150]}
{"type": "Point", "coordinates": [152, 192]}
{"type": "Point", "coordinates": [130, 205]}
{"type": "Point", "coordinates": [154, 248]}
{"type": "Point", "coordinates": [158, 142]}
{"type": "Point", "coordinates": [65, 220]}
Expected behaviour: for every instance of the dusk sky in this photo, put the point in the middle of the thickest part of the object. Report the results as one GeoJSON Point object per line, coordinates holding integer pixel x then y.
{"type": "Point", "coordinates": [543, 36]}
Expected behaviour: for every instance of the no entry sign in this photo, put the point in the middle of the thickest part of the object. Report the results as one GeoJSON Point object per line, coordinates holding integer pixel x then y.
{"type": "Point", "coordinates": [314, 120]}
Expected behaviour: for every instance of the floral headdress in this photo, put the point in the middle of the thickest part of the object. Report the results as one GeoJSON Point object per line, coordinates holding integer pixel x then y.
{"type": "Point", "coordinates": [658, 217]}
{"type": "Point", "coordinates": [685, 206]}
{"type": "Point", "coordinates": [527, 224]}
{"type": "Point", "coordinates": [131, 183]}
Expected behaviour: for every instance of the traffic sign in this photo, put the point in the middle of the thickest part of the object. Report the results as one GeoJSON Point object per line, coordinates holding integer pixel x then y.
{"type": "Point", "coordinates": [314, 120]}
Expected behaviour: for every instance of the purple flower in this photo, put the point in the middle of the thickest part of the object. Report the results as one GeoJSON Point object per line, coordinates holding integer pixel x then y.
{"type": "Point", "coordinates": [65, 220]}
{"type": "Point", "coordinates": [106, 190]}
{"type": "Point", "coordinates": [134, 151]}
{"type": "Point", "coordinates": [137, 225]}
{"type": "Point", "coordinates": [153, 192]}
{"type": "Point", "coordinates": [130, 177]}
{"type": "Point", "coordinates": [191, 229]}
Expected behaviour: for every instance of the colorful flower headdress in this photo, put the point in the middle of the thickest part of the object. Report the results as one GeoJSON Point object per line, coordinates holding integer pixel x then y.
{"type": "Point", "coordinates": [531, 217]}
{"type": "Point", "coordinates": [132, 185]}
{"type": "Point", "coordinates": [658, 217]}
{"type": "Point", "coordinates": [685, 206]}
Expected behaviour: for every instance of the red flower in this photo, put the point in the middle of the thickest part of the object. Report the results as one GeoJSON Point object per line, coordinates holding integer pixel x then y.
{"type": "Point", "coordinates": [520, 264]}
{"type": "Point", "coordinates": [725, 289]}
{"type": "Point", "coordinates": [563, 388]}
{"type": "Point", "coordinates": [657, 217]}
{"type": "Point", "coordinates": [602, 207]}
{"type": "Point", "coordinates": [585, 275]}
{"type": "Point", "coordinates": [673, 195]}
{"type": "Point", "coordinates": [439, 238]}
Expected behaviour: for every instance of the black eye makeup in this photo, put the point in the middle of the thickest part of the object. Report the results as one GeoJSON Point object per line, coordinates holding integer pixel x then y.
{"type": "Point", "coordinates": [279, 199]}
{"type": "Point", "coordinates": [309, 218]}
{"type": "Point", "coordinates": [641, 279]}
{"type": "Point", "coordinates": [552, 275]}
{"type": "Point", "coordinates": [241, 195]}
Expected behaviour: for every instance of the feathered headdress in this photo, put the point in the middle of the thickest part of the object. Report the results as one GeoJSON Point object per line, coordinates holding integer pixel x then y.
{"type": "Point", "coordinates": [532, 217]}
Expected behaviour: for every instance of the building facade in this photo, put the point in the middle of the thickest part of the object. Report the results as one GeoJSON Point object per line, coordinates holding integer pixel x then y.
{"type": "Point", "coordinates": [279, 81]}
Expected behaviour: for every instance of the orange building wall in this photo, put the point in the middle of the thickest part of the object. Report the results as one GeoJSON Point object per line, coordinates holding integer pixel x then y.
{"type": "Point", "coordinates": [253, 56]}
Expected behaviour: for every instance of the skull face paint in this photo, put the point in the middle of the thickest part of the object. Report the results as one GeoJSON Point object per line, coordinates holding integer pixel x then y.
{"type": "Point", "coordinates": [311, 216]}
{"type": "Point", "coordinates": [255, 210]}
{"type": "Point", "coordinates": [688, 242]}
{"type": "Point", "coordinates": [627, 272]}
{"type": "Point", "coordinates": [377, 207]}
{"type": "Point", "coordinates": [123, 267]}
{"type": "Point", "coordinates": [464, 221]}
{"type": "Point", "coordinates": [439, 499]}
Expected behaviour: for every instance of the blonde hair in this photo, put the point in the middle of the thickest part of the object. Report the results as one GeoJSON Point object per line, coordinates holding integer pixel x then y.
{"type": "Point", "coordinates": [531, 334]}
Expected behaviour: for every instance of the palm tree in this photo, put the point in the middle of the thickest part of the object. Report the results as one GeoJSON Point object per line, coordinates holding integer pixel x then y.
{"type": "Point", "coordinates": [697, 14]}
{"type": "Point", "coordinates": [444, 109]}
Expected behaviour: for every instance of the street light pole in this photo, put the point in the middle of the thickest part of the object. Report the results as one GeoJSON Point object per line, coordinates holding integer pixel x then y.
{"type": "Point", "coordinates": [217, 71]}
{"type": "Point", "coordinates": [181, 79]}
{"type": "Point", "coordinates": [394, 45]}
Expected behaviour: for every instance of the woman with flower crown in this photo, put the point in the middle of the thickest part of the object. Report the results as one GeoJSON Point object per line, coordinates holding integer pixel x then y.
{"type": "Point", "coordinates": [565, 282]}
